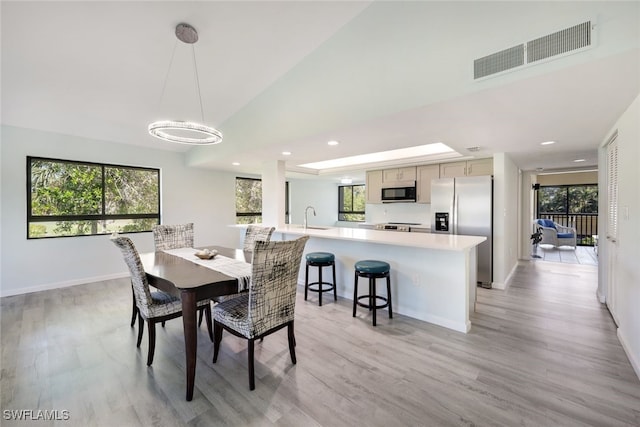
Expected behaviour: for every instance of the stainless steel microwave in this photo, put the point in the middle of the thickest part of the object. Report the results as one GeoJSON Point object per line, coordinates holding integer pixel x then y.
{"type": "Point", "coordinates": [399, 193]}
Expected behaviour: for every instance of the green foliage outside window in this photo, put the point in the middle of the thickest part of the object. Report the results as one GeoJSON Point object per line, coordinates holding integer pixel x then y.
{"type": "Point", "coordinates": [351, 203]}
{"type": "Point", "coordinates": [69, 198]}
{"type": "Point", "coordinates": [248, 201]}
{"type": "Point", "coordinates": [568, 199]}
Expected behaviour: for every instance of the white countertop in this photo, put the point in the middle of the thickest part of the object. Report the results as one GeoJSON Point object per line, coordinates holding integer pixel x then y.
{"type": "Point", "coordinates": [446, 242]}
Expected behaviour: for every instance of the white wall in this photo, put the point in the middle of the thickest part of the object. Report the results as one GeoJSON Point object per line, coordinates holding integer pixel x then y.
{"type": "Point", "coordinates": [418, 213]}
{"type": "Point", "coordinates": [627, 273]}
{"type": "Point", "coordinates": [505, 219]}
{"type": "Point", "coordinates": [321, 194]}
{"type": "Point", "coordinates": [206, 198]}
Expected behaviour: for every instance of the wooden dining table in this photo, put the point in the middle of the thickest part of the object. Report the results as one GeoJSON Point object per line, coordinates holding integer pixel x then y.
{"type": "Point", "coordinates": [192, 283]}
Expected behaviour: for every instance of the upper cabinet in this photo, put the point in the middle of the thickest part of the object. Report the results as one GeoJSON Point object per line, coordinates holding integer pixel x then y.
{"type": "Point", "coordinates": [476, 167]}
{"type": "Point", "coordinates": [374, 187]}
{"type": "Point", "coordinates": [399, 174]}
{"type": "Point", "coordinates": [425, 175]}
{"type": "Point", "coordinates": [480, 167]}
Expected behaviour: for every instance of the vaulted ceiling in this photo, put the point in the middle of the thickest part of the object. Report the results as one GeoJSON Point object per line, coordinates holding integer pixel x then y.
{"type": "Point", "coordinates": [290, 76]}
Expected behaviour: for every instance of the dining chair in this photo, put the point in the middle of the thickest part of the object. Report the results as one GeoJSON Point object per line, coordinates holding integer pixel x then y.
{"type": "Point", "coordinates": [156, 306]}
{"type": "Point", "coordinates": [270, 303]}
{"type": "Point", "coordinates": [255, 233]}
{"type": "Point", "coordinates": [167, 237]}
{"type": "Point", "coordinates": [173, 236]}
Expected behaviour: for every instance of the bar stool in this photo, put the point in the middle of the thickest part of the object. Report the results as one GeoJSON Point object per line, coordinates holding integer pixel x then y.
{"type": "Point", "coordinates": [320, 259]}
{"type": "Point", "coordinates": [372, 270]}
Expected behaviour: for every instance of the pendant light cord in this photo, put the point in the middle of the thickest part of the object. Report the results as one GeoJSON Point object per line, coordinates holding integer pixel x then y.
{"type": "Point", "coordinates": [166, 76]}
{"type": "Point", "coordinates": [195, 69]}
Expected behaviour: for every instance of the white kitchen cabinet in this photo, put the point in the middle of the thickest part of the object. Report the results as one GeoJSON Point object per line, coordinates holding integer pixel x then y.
{"type": "Point", "coordinates": [425, 174]}
{"type": "Point", "coordinates": [475, 167]}
{"type": "Point", "coordinates": [374, 187]}
{"type": "Point", "coordinates": [480, 167]}
{"type": "Point", "coordinates": [452, 170]}
{"type": "Point", "coordinates": [399, 174]}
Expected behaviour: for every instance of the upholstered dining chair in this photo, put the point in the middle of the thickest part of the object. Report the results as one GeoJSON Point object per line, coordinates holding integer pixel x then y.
{"type": "Point", "coordinates": [252, 235]}
{"type": "Point", "coordinates": [255, 233]}
{"type": "Point", "coordinates": [173, 236]}
{"type": "Point", "coordinates": [156, 306]}
{"type": "Point", "coordinates": [270, 303]}
{"type": "Point", "coordinates": [167, 237]}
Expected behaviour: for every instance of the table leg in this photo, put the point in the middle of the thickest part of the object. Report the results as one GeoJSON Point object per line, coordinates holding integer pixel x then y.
{"type": "Point", "coordinates": [190, 338]}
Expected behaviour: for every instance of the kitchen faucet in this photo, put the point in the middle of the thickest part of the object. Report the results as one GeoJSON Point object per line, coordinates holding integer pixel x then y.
{"type": "Point", "coordinates": [306, 211]}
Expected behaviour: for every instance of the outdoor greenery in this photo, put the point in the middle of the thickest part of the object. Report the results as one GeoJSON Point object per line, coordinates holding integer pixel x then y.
{"type": "Point", "coordinates": [568, 199]}
{"type": "Point", "coordinates": [351, 203]}
{"type": "Point", "coordinates": [248, 201]}
{"type": "Point", "coordinates": [571, 205]}
{"type": "Point", "coordinates": [77, 198]}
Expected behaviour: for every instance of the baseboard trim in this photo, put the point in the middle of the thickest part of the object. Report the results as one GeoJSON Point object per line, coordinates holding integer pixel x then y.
{"type": "Point", "coordinates": [633, 359]}
{"type": "Point", "coordinates": [59, 285]}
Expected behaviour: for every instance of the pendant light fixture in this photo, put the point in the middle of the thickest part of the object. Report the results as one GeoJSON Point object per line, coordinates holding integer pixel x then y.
{"type": "Point", "coordinates": [185, 132]}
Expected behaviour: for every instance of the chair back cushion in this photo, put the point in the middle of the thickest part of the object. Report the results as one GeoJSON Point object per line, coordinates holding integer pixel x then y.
{"type": "Point", "coordinates": [547, 223]}
{"type": "Point", "coordinates": [136, 270]}
{"type": "Point", "coordinates": [173, 236]}
{"type": "Point", "coordinates": [255, 233]}
{"type": "Point", "coordinates": [274, 280]}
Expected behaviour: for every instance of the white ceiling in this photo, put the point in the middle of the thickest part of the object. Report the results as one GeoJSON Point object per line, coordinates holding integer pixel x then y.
{"type": "Point", "coordinates": [279, 76]}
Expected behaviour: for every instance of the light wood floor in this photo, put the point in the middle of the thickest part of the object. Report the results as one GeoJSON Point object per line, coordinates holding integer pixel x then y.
{"type": "Point", "coordinates": [542, 353]}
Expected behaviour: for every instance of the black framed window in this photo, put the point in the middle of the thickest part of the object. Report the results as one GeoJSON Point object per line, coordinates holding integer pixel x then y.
{"type": "Point", "coordinates": [73, 198]}
{"type": "Point", "coordinates": [573, 206]}
{"type": "Point", "coordinates": [351, 202]}
{"type": "Point", "coordinates": [248, 200]}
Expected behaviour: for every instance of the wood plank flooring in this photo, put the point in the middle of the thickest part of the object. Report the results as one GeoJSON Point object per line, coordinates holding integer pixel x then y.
{"type": "Point", "coordinates": [542, 353]}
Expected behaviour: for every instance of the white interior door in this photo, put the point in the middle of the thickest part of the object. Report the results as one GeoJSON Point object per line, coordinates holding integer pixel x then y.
{"type": "Point", "coordinates": [612, 225]}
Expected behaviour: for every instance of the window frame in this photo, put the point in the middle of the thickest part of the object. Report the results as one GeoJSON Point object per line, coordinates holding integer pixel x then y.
{"type": "Point", "coordinates": [342, 212]}
{"type": "Point", "coordinates": [245, 214]}
{"type": "Point", "coordinates": [87, 217]}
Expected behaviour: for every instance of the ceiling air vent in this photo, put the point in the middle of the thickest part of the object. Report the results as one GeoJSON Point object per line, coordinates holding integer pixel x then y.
{"type": "Point", "coordinates": [498, 62]}
{"type": "Point", "coordinates": [560, 42]}
{"type": "Point", "coordinates": [552, 46]}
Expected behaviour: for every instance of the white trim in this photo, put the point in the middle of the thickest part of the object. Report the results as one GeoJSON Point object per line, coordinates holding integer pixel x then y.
{"type": "Point", "coordinates": [635, 363]}
{"type": "Point", "coordinates": [58, 285]}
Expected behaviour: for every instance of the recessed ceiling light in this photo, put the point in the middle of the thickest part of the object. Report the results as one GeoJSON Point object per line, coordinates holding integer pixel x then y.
{"type": "Point", "coordinates": [333, 143]}
{"type": "Point", "coordinates": [547, 143]}
{"type": "Point", "coordinates": [286, 153]}
{"type": "Point", "coordinates": [235, 164]}
{"type": "Point", "coordinates": [579, 160]}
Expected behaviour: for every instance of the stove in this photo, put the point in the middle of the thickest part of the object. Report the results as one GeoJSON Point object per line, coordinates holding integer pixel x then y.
{"type": "Point", "coordinates": [396, 226]}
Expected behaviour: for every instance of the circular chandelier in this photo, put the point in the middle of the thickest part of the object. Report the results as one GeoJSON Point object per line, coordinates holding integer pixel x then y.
{"type": "Point", "coordinates": [186, 132]}
{"type": "Point", "coordinates": [179, 131]}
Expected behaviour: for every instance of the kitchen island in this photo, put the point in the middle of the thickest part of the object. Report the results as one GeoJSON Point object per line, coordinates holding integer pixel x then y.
{"type": "Point", "coordinates": [433, 276]}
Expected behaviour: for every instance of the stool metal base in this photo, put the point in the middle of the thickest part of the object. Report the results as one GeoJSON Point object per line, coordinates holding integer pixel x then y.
{"type": "Point", "coordinates": [372, 297]}
{"type": "Point", "coordinates": [320, 287]}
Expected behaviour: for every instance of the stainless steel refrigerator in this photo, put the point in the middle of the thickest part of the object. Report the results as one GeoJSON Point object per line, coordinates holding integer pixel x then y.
{"type": "Point", "coordinates": [465, 206]}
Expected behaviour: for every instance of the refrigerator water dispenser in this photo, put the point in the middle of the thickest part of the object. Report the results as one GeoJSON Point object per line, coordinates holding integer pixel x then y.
{"type": "Point", "coordinates": [442, 221]}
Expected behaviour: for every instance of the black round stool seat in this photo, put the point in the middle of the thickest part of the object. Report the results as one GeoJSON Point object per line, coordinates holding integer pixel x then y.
{"type": "Point", "coordinates": [320, 259]}
{"type": "Point", "coordinates": [372, 269]}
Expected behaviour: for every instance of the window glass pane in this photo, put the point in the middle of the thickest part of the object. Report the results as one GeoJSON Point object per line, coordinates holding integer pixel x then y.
{"type": "Point", "coordinates": [552, 200]}
{"type": "Point", "coordinates": [129, 191]}
{"type": "Point", "coordinates": [62, 188]}
{"type": "Point", "coordinates": [351, 203]}
{"type": "Point", "coordinates": [69, 198]}
{"type": "Point", "coordinates": [583, 199]}
{"type": "Point", "coordinates": [248, 201]}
